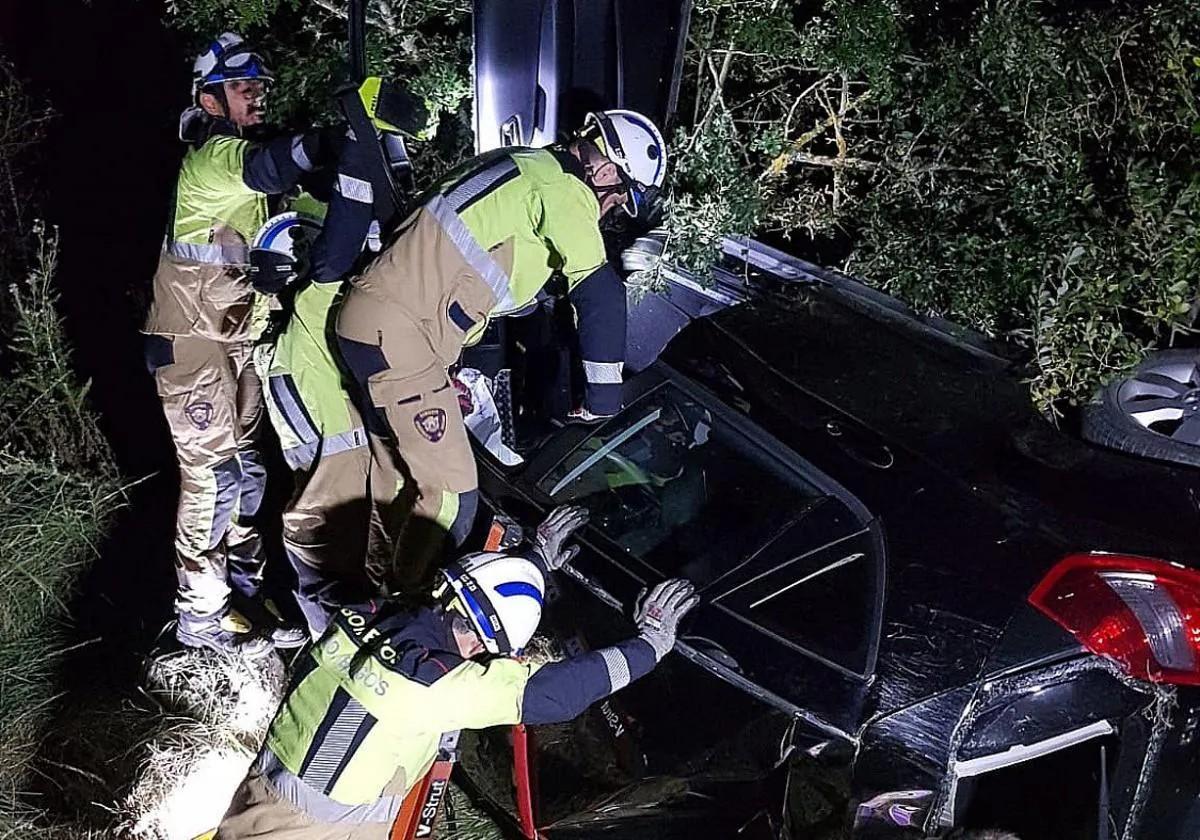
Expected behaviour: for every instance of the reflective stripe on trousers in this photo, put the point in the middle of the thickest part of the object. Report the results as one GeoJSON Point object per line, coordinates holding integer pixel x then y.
{"type": "Point", "coordinates": [317, 805]}
{"type": "Point", "coordinates": [211, 253]}
{"type": "Point", "coordinates": [212, 399]}
{"type": "Point", "coordinates": [303, 456]}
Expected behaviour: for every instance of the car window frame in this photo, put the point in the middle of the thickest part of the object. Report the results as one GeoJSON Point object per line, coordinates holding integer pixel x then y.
{"type": "Point", "coordinates": [661, 375]}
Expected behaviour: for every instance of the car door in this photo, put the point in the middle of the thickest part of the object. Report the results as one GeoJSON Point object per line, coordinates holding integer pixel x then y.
{"type": "Point", "coordinates": [542, 65]}
{"type": "Point", "coordinates": [790, 567]}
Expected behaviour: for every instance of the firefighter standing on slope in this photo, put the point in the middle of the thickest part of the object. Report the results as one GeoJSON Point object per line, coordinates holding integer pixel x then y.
{"type": "Point", "coordinates": [484, 246]}
{"type": "Point", "coordinates": [368, 704]}
{"type": "Point", "coordinates": [338, 525]}
{"type": "Point", "coordinates": [200, 333]}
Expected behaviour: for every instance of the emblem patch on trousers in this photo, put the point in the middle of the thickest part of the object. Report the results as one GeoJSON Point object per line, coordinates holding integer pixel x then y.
{"type": "Point", "coordinates": [431, 423]}
{"type": "Point", "coordinates": [200, 414]}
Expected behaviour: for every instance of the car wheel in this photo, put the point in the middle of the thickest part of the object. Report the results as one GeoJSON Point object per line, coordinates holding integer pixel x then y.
{"type": "Point", "coordinates": [1154, 412]}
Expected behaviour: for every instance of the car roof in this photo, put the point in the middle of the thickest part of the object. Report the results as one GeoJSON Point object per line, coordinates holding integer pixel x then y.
{"type": "Point", "coordinates": [941, 406]}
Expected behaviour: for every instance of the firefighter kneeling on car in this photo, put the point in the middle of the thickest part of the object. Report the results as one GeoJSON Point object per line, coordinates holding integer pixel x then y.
{"type": "Point", "coordinates": [369, 702]}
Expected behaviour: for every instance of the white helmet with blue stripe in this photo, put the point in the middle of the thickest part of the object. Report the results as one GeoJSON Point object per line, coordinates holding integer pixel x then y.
{"type": "Point", "coordinates": [501, 595]}
{"type": "Point", "coordinates": [635, 145]}
{"type": "Point", "coordinates": [228, 59]}
{"type": "Point", "coordinates": [280, 250]}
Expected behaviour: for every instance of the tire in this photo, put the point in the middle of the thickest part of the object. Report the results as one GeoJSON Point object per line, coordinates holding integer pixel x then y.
{"type": "Point", "coordinates": [1164, 392]}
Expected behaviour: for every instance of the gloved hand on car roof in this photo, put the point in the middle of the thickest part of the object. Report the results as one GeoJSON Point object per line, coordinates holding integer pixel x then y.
{"type": "Point", "coordinates": [549, 542]}
{"type": "Point", "coordinates": [658, 614]}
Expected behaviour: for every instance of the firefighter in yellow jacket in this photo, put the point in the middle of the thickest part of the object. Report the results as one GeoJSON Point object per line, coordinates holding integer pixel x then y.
{"type": "Point", "coordinates": [200, 333]}
{"type": "Point", "coordinates": [368, 704]}
{"type": "Point", "coordinates": [338, 525]}
{"type": "Point", "coordinates": [483, 245]}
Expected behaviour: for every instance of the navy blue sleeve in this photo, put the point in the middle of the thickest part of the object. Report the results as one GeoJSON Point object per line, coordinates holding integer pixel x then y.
{"type": "Point", "coordinates": [341, 239]}
{"type": "Point", "coordinates": [599, 300]}
{"type": "Point", "coordinates": [563, 690]}
{"type": "Point", "coordinates": [351, 209]}
{"type": "Point", "coordinates": [278, 165]}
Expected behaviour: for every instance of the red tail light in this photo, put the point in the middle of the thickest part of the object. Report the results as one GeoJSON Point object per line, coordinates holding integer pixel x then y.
{"type": "Point", "coordinates": [1143, 614]}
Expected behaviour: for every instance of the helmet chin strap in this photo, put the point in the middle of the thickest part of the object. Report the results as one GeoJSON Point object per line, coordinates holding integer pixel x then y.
{"type": "Point", "coordinates": [603, 192]}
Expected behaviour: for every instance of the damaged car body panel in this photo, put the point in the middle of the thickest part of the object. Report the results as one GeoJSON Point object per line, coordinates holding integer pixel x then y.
{"type": "Point", "coordinates": [865, 499]}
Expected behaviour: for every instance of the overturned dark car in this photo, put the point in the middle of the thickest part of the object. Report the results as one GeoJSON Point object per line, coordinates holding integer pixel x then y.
{"type": "Point", "coordinates": [925, 611]}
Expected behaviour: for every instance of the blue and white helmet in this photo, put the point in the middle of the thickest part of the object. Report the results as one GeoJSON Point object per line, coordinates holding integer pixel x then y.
{"type": "Point", "coordinates": [635, 145]}
{"type": "Point", "coordinates": [279, 251]}
{"type": "Point", "coordinates": [501, 595]}
{"type": "Point", "coordinates": [228, 59]}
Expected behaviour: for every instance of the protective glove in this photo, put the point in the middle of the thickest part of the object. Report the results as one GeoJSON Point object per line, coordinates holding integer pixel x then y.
{"type": "Point", "coordinates": [551, 536]}
{"type": "Point", "coordinates": [657, 615]}
{"type": "Point", "coordinates": [651, 209]}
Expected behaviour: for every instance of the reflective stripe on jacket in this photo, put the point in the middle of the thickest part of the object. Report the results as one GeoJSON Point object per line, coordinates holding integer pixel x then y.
{"type": "Point", "coordinates": [220, 203]}
{"type": "Point", "coordinates": [368, 704]}
{"type": "Point", "coordinates": [534, 214]}
{"type": "Point", "coordinates": [211, 195]}
{"type": "Point", "coordinates": [308, 406]}
{"type": "Point", "coordinates": [531, 210]}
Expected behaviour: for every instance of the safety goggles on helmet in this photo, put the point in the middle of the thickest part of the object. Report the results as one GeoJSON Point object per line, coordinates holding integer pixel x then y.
{"type": "Point", "coordinates": [500, 595]}
{"type": "Point", "coordinates": [229, 59]}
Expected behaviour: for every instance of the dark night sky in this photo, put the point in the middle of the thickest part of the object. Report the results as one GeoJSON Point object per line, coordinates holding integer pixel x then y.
{"type": "Point", "coordinates": [117, 79]}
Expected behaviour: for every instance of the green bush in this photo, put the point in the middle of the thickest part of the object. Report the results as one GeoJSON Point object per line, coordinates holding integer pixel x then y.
{"type": "Point", "coordinates": [58, 488]}
{"type": "Point", "coordinates": [1025, 168]}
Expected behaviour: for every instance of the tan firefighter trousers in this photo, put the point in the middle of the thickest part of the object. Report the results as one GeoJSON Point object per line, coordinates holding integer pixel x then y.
{"type": "Point", "coordinates": [338, 530]}
{"type": "Point", "coordinates": [401, 326]}
{"type": "Point", "coordinates": [212, 398]}
{"type": "Point", "coordinates": [258, 811]}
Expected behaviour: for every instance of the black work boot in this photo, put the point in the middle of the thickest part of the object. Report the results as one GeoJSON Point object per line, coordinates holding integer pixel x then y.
{"type": "Point", "coordinates": [269, 621]}
{"type": "Point", "coordinates": [225, 632]}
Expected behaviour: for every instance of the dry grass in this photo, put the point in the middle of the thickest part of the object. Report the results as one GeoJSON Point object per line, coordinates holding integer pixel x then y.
{"type": "Point", "coordinates": [212, 713]}
{"type": "Point", "coordinates": [50, 523]}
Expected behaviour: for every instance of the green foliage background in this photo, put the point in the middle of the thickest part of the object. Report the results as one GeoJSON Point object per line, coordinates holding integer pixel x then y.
{"type": "Point", "coordinates": [58, 486]}
{"type": "Point", "coordinates": [1023, 167]}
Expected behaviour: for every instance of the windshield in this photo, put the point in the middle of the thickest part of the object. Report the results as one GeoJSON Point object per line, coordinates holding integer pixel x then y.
{"type": "Point", "coordinates": [679, 487]}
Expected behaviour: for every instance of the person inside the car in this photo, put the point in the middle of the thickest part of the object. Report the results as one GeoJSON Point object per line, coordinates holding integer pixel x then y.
{"type": "Point", "coordinates": [368, 704]}
{"type": "Point", "coordinates": [644, 487]}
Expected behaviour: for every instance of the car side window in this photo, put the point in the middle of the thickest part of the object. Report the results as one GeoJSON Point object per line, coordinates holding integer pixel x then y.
{"type": "Point", "coordinates": [768, 539]}
{"type": "Point", "coordinates": [680, 487]}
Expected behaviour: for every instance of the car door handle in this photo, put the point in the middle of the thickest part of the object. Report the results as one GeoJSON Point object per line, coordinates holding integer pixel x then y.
{"type": "Point", "coordinates": [875, 455]}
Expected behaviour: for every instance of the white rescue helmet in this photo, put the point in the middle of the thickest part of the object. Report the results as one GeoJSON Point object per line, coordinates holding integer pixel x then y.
{"type": "Point", "coordinates": [228, 59]}
{"type": "Point", "coordinates": [500, 594]}
{"type": "Point", "coordinates": [280, 249]}
{"type": "Point", "coordinates": [635, 145]}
